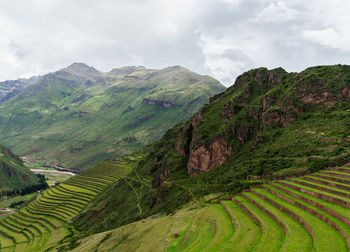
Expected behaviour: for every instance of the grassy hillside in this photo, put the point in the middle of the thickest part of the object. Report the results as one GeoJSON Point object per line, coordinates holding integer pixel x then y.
{"type": "Point", "coordinates": [270, 124]}
{"type": "Point", "coordinates": [288, 215]}
{"type": "Point", "coordinates": [79, 116]}
{"type": "Point", "coordinates": [13, 174]}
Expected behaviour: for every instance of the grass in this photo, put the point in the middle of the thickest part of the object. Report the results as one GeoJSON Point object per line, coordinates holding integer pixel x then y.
{"type": "Point", "coordinates": [16, 199]}
{"type": "Point", "coordinates": [246, 234]}
{"type": "Point", "coordinates": [334, 241]}
{"type": "Point", "coordinates": [297, 237]}
{"type": "Point", "coordinates": [273, 236]}
{"type": "Point", "coordinates": [330, 217]}
{"type": "Point", "coordinates": [223, 231]}
{"type": "Point", "coordinates": [343, 193]}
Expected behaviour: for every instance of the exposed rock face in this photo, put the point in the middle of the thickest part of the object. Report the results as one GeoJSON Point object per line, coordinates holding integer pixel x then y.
{"type": "Point", "coordinates": [164, 104]}
{"type": "Point", "coordinates": [346, 92]}
{"type": "Point", "coordinates": [205, 159]}
{"type": "Point", "coordinates": [318, 93]}
{"type": "Point", "coordinates": [229, 111]}
{"type": "Point", "coordinates": [197, 119]}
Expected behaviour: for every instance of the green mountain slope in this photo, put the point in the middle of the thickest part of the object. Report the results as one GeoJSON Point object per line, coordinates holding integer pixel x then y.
{"type": "Point", "coordinates": [270, 124]}
{"type": "Point", "coordinates": [79, 116]}
{"type": "Point", "coordinates": [13, 174]}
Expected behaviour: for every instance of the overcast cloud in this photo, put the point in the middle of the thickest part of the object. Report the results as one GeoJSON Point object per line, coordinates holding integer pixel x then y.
{"type": "Point", "coordinates": [221, 38]}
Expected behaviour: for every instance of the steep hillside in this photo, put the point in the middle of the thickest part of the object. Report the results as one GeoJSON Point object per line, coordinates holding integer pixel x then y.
{"type": "Point", "coordinates": [78, 116]}
{"type": "Point", "coordinates": [13, 174]}
{"type": "Point", "coordinates": [286, 215]}
{"type": "Point", "coordinates": [270, 124]}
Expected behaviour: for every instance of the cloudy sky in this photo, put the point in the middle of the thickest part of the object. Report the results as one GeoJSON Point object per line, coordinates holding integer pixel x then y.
{"type": "Point", "coordinates": [221, 38]}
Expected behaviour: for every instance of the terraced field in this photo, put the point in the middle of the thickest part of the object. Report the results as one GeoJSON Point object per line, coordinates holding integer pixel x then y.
{"type": "Point", "coordinates": [44, 222]}
{"type": "Point", "coordinates": [309, 213]}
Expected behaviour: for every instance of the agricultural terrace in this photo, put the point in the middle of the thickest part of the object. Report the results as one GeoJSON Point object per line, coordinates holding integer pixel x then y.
{"type": "Point", "coordinates": [309, 213]}
{"type": "Point", "coordinates": [44, 222]}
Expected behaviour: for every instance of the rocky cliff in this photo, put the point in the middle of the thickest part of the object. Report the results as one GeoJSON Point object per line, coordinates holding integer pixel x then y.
{"type": "Point", "coordinates": [259, 98]}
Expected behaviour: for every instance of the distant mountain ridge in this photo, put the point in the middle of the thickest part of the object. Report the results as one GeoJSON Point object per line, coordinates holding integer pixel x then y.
{"type": "Point", "coordinates": [78, 116]}
{"type": "Point", "coordinates": [11, 88]}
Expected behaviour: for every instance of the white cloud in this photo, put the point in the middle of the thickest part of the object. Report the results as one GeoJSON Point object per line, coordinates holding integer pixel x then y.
{"type": "Point", "coordinates": [328, 37]}
{"type": "Point", "coordinates": [276, 12]}
{"type": "Point", "coordinates": [222, 38]}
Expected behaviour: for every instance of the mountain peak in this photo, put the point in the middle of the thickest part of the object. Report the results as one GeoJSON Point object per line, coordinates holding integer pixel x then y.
{"type": "Point", "coordinates": [127, 70]}
{"type": "Point", "coordinates": [81, 69]}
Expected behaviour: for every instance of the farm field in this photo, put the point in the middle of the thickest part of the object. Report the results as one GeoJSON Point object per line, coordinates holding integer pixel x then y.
{"type": "Point", "coordinates": [45, 222]}
{"type": "Point", "coordinates": [284, 215]}
{"type": "Point", "coordinates": [17, 199]}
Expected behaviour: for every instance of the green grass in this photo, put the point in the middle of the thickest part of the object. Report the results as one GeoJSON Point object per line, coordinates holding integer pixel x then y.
{"type": "Point", "coordinates": [246, 233]}
{"type": "Point", "coordinates": [297, 237]}
{"type": "Point", "coordinates": [332, 218]}
{"type": "Point", "coordinates": [6, 203]}
{"type": "Point", "coordinates": [273, 236]}
{"type": "Point", "coordinates": [333, 190]}
{"type": "Point", "coordinates": [334, 241]}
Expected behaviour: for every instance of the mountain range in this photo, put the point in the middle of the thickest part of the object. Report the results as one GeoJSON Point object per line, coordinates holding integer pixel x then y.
{"type": "Point", "coordinates": [79, 116]}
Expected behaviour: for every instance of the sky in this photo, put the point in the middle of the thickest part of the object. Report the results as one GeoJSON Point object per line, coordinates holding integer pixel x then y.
{"type": "Point", "coordinates": [220, 38]}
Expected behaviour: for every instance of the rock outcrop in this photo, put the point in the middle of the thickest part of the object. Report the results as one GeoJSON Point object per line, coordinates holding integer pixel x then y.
{"type": "Point", "coordinates": [205, 159]}
{"type": "Point", "coordinates": [164, 104]}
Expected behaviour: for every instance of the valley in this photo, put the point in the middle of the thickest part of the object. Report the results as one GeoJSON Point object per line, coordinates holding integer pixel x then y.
{"type": "Point", "coordinates": [175, 126]}
{"type": "Point", "coordinates": [78, 116]}
{"type": "Point", "coordinates": [264, 166]}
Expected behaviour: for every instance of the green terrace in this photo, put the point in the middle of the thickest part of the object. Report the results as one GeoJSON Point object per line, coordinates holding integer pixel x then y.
{"type": "Point", "coordinates": [309, 213]}
{"type": "Point", "coordinates": [44, 222]}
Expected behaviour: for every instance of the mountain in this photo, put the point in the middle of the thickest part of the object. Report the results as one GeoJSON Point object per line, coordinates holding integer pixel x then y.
{"type": "Point", "coordinates": [13, 174]}
{"type": "Point", "coordinates": [79, 116]}
{"type": "Point", "coordinates": [11, 88]}
{"type": "Point", "coordinates": [270, 124]}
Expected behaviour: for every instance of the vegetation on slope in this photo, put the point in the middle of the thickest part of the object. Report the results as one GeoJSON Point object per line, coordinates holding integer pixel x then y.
{"type": "Point", "coordinates": [279, 215]}
{"type": "Point", "coordinates": [268, 125]}
{"type": "Point", "coordinates": [79, 116]}
{"type": "Point", "coordinates": [14, 176]}
{"type": "Point", "coordinates": [43, 224]}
